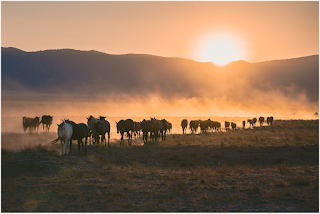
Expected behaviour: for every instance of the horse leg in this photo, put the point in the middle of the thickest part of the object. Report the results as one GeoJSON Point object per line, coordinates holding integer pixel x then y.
{"type": "Point", "coordinates": [61, 147]}
{"type": "Point", "coordinates": [66, 147]}
{"type": "Point", "coordinates": [121, 137]}
{"type": "Point", "coordinates": [143, 138]}
{"type": "Point", "coordinates": [70, 146]}
{"type": "Point", "coordinates": [104, 139]}
{"type": "Point", "coordinates": [85, 146]}
{"type": "Point", "coordinates": [79, 145]}
{"type": "Point", "coordinates": [108, 138]}
{"type": "Point", "coordinates": [147, 137]}
{"type": "Point", "coordinates": [129, 136]}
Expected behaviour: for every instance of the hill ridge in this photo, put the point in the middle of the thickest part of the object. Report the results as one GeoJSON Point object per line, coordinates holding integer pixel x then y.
{"type": "Point", "coordinates": [93, 72]}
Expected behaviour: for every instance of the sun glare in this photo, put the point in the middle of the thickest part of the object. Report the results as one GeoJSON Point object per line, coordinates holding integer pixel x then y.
{"type": "Point", "coordinates": [220, 50]}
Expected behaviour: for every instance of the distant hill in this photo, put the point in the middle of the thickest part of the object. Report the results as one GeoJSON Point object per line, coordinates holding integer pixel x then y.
{"type": "Point", "coordinates": [93, 73]}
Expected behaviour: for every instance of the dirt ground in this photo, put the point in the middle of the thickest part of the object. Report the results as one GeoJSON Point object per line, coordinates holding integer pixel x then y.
{"type": "Point", "coordinates": [268, 168]}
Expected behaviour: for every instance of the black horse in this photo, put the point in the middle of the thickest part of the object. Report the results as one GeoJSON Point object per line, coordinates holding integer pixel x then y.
{"type": "Point", "coordinates": [184, 124]}
{"type": "Point", "coordinates": [163, 131]}
{"type": "Point", "coordinates": [147, 126]}
{"type": "Point", "coordinates": [80, 131]}
{"type": "Point", "coordinates": [125, 126]}
{"type": "Point", "coordinates": [100, 128]}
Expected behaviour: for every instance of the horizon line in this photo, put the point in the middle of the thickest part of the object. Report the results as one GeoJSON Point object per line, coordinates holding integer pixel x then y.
{"type": "Point", "coordinates": [61, 49]}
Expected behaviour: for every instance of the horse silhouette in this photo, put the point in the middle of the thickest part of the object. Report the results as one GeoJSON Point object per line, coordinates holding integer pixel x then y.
{"type": "Point", "coordinates": [125, 126]}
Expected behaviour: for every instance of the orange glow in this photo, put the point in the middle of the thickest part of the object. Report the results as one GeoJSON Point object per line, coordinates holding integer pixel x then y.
{"type": "Point", "coordinates": [219, 49]}
{"type": "Point", "coordinates": [272, 30]}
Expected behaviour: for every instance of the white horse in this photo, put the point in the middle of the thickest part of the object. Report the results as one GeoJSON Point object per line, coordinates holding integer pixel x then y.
{"type": "Point", "coordinates": [64, 134]}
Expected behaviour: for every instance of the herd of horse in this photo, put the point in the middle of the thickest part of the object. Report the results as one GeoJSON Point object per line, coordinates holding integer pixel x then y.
{"type": "Point", "coordinates": [96, 129]}
{"type": "Point", "coordinates": [206, 125]}
{"type": "Point", "coordinates": [34, 123]}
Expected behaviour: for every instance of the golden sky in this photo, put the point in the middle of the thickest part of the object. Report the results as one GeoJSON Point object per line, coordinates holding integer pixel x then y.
{"type": "Point", "coordinates": [261, 30]}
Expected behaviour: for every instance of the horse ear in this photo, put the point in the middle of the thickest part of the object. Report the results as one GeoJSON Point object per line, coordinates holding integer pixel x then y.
{"type": "Point", "coordinates": [116, 122]}
{"type": "Point", "coordinates": [57, 124]}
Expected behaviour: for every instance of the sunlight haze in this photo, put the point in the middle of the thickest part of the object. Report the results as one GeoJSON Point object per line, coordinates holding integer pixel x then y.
{"type": "Point", "coordinates": [154, 58]}
{"type": "Point", "coordinates": [270, 30]}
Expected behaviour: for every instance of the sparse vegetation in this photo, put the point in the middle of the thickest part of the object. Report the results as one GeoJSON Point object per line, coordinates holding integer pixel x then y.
{"type": "Point", "coordinates": [230, 171]}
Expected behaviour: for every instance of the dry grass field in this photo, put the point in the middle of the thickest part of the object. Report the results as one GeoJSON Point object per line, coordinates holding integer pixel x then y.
{"type": "Point", "coordinates": [268, 168]}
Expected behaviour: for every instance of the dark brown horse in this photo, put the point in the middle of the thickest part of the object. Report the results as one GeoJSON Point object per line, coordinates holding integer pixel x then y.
{"type": "Point", "coordinates": [137, 128]}
{"type": "Point", "coordinates": [216, 125]}
{"type": "Point", "coordinates": [31, 123]}
{"type": "Point", "coordinates": [125, 126]}
{"type": "Point", "coordinates": [194, 125]}
{"type": "Point", "coordinates": [169, 128]}
{"type": "Point", "coordinates": [80, 131]}
{"type": "Point", "coordinates": [146, 126]}
{"type": "Point", "coordinates": [184, 124]}
{"type": "Point", "coordinates": [163, 131]}
{"type": "Point", "coordinates": [157, 127]}
{"type": "Point", "coordinates": [100, 128]}
{"type": "Point", "coordinates": [46, 120]}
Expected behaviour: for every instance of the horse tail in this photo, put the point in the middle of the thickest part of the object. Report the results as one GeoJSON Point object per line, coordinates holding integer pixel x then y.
{"type": "Point", "coordinates": [54, 141]}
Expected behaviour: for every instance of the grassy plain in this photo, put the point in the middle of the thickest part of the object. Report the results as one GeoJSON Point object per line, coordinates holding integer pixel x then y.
{"type": "Point", "coordinates": [268, 168]}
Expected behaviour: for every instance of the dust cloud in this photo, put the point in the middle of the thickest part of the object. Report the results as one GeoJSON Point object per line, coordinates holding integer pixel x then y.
{"type": "Point", "coordinates": [239, 103]}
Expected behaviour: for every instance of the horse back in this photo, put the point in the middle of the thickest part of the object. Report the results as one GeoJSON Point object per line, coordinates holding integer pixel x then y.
{"type": "Point", "coordinates": [65, 132]}
{"type": "Point", "coordinates": [106, 125]}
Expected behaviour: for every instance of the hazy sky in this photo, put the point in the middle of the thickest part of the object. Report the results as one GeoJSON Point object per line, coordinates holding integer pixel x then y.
{"type": "Point", "coordinates": [264, 30]}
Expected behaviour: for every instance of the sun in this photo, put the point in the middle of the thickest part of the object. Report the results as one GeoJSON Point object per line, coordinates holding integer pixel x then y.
{"type": "Point", "coordinates": [219, 49]}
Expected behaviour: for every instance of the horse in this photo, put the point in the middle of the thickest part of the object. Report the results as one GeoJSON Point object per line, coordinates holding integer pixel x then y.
{"type": "Point", "coordinates": [194, 124]}
{"type": "Point", "coordinates": [226, 125]}
{"type": "Point", "coordinates": [163, 131]}
{"type": "Point", "coordinates": [35, 122]}
{"type": "Point", "coordinates": [216, 125]}
{"type": "Point", "coordinates": [106, 126]}
{"type": "Point", "coordinates": [100, 128]}
{"type": "Point", "coordinates": [137, 128]}
{"type": "Point", "coordinates": [64, 135]}
{"type": "Point", "coordinates": [204, 125]}
{"type": "Point", "coordinates": [261, 120]}
{"type": "Point", "coordinates": [170, 127]}
{"type": "Point", "coordinates": [31, 123]}
{"type": "Point", "coordinates": [90, 122]}
{"type": "Point", "coordinates": [244, 124]}
{"type": "Point", "coordinates": [184, 124]}
{"type": "Point", "coordinates": [46, 120]}
{"type": "Point", "coordinates": [269, 120]}
{"type": "Point", "coordinates": [254, 121]}
{"type": "Point", "coordinates": [80, 131]}
{"type": "Point", "coordinates": [251, 122]}
{"type": "Point", "coordinates": [157, 128]}
{"type": "Point", "coordinates": [146, 126]}
{"type": "Point", "coordinates": [26, 122]}
{"type": "Point", "coordinates": [233, 125]}
{"type": "Point", "coordinates": [125, 126]}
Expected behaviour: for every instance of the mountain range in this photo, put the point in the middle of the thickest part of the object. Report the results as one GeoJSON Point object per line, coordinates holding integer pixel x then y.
{"type": "Point", "coordinates": [94, 74]}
